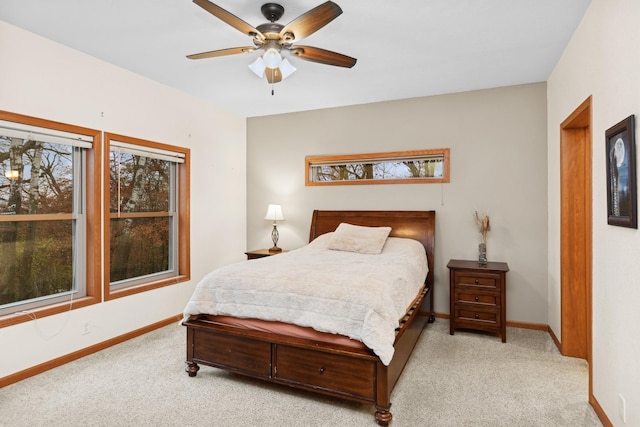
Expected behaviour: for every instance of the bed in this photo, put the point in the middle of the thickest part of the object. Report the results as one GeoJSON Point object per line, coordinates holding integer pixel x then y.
{"type": "Point", "coordinates": [321, 361]}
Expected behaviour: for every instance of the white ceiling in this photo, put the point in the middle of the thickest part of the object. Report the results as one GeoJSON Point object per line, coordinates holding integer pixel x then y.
{"type": "Point", "coordinates": [405, 48]}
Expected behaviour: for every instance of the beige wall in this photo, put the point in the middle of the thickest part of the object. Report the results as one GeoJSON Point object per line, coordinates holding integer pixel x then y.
{"type": "Point", "coordinates": [43, 79]}
{"type": "Point", "coordinates": [497, 139]}
{"type": "Point", "coordinates": [602, 61]}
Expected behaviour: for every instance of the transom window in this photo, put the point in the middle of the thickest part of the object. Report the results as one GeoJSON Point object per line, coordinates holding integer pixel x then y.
{"type": "Point", "coordinates": [424, 166]}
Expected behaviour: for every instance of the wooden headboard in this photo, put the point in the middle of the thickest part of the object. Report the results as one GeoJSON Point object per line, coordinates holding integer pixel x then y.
{"type": "Point", "coordinates": [417, 225]}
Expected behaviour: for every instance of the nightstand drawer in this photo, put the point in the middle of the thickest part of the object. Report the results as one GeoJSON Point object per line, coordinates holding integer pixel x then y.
{"type": "Point", "coordinates": [477, 279]}
{"type": "Point", "coordinates": [477, 297]}
{"type": "Point", "coordinates": [470, 314]}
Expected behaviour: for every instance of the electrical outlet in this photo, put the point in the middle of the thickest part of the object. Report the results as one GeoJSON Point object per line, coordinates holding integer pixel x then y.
{"type": "Point", "coordinates": [622, 408]}
{"type": "Point", "coordinates": [85, 328]}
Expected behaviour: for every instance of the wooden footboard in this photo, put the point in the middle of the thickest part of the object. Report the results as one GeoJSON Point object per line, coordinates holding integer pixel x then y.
{"type": "Point", "coordinates": [344, 372]}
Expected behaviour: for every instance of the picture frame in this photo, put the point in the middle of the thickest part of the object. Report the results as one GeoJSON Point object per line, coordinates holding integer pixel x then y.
{"type": "Point", "coordinates": [621, 174]}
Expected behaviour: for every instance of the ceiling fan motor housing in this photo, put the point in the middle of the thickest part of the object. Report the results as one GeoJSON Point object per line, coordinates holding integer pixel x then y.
{"type": "Point", "coordinates": [270, 28]}
{"type": "Point", "coordinates": [272, 11]}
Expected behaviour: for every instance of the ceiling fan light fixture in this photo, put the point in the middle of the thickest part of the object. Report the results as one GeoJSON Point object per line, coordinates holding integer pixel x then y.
{"type": "Point", "coordinates": [286, 69]}
{"type": "Point", "coordinates": [258, 66]}
{"type": "Point", "coordinates": [272, 58]}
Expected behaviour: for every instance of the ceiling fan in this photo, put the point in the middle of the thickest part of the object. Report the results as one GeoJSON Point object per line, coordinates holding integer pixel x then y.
{"type": "Point", "coordinates": [275, 39]}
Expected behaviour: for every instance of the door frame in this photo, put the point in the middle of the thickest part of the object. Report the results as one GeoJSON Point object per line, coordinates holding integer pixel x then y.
{"type": "Point", "coordinates": [576, 234]}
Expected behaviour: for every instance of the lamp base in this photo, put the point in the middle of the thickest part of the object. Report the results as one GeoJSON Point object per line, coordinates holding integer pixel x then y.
{"type": "Point", "coordinates": [274, 238]}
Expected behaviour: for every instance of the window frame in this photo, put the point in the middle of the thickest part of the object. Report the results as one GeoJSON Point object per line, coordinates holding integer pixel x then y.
{"type": "Point", "coordinates": [92, 242]}
{"type": "Point", "coordinates": [183, 257]}
{"type": "Point", "coordinates": [311, 161]}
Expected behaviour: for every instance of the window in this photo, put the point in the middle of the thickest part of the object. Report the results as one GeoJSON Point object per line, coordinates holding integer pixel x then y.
{"type": "Point", "coordinates": [48, 263]}
{"type": "Point", "coordinates": [51, 234]}
{"type": "Point", "coordinates": [146, 206]}
{"type": "Point", "coordinates": [424, 166]}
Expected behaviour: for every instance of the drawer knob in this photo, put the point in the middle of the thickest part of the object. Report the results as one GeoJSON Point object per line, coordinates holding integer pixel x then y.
{"type": "Point", "coordinates": [321, 370]}
{"type": "Point", "coordinates": [477, 281]}
{"type": "Point", "coordinates": [477, 316]}
{"type": "Point", "coordinates": [477, 298]}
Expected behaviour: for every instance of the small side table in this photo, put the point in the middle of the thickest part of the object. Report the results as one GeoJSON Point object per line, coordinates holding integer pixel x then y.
{"type": "Point", "coordinates": [477, 296]}
{"type": "Point", "coordinates": [261, 253]}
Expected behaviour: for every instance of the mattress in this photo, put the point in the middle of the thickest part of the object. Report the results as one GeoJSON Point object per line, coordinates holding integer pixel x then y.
{"type": "Point", "coordinates": [360, 296]}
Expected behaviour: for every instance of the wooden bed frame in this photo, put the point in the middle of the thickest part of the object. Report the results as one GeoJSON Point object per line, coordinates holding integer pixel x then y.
{"type": "Point", "coordinates": [335, 370]}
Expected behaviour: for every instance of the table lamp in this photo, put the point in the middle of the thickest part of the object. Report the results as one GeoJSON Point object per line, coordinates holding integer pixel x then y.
{"type": "Point", "coordinates": [274, 213]}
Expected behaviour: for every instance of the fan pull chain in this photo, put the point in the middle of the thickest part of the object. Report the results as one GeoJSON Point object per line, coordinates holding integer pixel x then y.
{"type": "Point", "coordinates": [272, 91]}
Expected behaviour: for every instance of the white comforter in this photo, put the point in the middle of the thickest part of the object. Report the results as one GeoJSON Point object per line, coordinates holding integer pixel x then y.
{"type": "Point", "coordinates": [360, 296]}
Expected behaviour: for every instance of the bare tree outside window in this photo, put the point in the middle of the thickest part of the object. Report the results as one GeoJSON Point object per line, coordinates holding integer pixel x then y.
{"type": "Point", "coordinates": [424, 166]}
{"type": "Point", "coordinates": [36, 218]}
{"type": "Point", "coordinates": [140, 236]}
{"type": "Point", "coordinates": [146, 235]}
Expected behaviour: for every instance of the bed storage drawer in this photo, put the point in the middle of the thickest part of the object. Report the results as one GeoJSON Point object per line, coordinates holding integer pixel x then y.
{"type": "Point", "coordinates": [333, 372]}
{"type": "Point", "coordinates": [234, 353]}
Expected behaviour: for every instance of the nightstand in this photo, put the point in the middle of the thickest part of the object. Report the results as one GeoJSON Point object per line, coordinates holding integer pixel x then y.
{"type": "Point", "coordinates": [477, 296]}
{"type": "Point", "coordinates": [261, 253]}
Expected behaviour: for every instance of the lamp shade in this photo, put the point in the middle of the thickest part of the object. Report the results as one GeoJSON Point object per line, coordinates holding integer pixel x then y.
{"type": "Point", "coordinates": [258, 67]}
{"type": "Point", "coordinates": [272, 58]}
{"type": "Point", "coordinates": [274, 213]}
{"type": "Point", "coordinates": [286, 69]}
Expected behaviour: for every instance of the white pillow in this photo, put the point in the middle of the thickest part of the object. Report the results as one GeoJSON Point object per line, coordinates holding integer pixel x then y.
{"type": "Point", "coordinates": [356, 238]}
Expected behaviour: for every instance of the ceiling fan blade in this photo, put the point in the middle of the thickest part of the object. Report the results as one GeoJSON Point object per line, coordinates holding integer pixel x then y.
{"type": "Point", "coordinates": [273, 75]}
{"type": "Point", "coordinates": [323, 56]}
{"type": "Point", "coordinates": [222, 52]}
{"type": "Point", "coordinates": [229, 18]}
{"type": "Point", "coordinates": [310, 22]}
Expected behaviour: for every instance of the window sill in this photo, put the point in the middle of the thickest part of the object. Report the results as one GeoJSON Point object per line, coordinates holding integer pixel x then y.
{"type": "Point", "coordinates": [49, 310]}
{"type": "Point", "coordinates": [109, 295]}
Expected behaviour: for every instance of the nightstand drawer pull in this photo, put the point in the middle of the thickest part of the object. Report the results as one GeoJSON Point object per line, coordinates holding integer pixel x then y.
{"type": "Point", "coordinates": [321, 371]}
{"type": "Point", "coordinates": [477, 316]}
{"type": "Point", "coordinates": [477, 298]}
{"type": "Point", "coordinates": [477, 281]}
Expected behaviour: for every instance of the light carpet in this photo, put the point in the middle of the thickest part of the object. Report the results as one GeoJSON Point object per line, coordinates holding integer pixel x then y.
{"type": "Point", "coordinates": [462, 380]}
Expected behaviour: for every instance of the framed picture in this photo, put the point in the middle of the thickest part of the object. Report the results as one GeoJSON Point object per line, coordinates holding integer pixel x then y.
{"type": "Point", "coordinates": [621, 174]}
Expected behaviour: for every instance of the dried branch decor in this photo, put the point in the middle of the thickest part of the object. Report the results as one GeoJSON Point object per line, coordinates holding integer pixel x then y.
{"type": "Point", "coordinates": [482, 221]}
